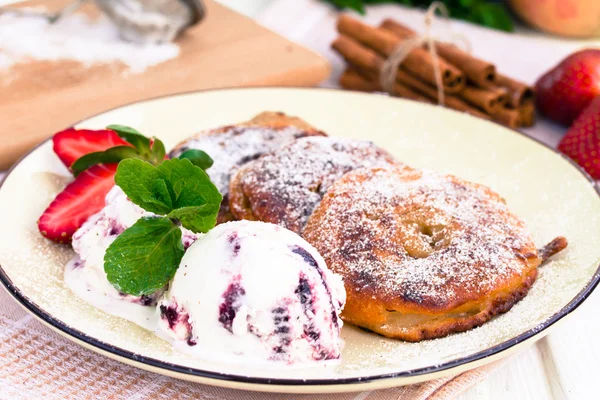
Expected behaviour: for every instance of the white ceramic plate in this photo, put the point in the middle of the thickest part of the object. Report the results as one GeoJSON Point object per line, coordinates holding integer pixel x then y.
{"type": "Point", "coordinates": [550, 193]}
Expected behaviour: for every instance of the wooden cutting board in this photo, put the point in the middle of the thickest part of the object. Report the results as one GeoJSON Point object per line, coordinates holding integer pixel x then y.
{"type": "Point", "coordinates": [226, 49]}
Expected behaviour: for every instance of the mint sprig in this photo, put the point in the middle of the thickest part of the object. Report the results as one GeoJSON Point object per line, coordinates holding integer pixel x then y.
{"type": "Point", "coordinates": [182, 194]}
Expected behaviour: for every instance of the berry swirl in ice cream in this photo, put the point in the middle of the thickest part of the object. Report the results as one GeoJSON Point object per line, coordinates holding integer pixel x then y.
{"type": "Point", "coordinates": [254, 290]}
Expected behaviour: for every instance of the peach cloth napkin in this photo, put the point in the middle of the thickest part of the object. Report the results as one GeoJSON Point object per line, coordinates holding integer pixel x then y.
{"type": "Point", "coordinates": [35, 362]}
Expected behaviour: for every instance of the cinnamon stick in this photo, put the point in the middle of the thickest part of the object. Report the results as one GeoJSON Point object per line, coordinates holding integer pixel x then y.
{"type": "Point", "coordinates": [502, 95]}
{"type": "Point", "coordinates": [353, 80]}
{"type": "Point", "coordinates": [527, 114]}
{"type": "Point", "coordinates": [480, 72]}
{"type": "Point", "coordinates": [519, 92]}
{"type": "Point", "coordinates": [354, 53]}
{"type": "Point", "coordinates": [418, 62]}
{"type": "Point", "coordinates": [507, 116]}
{"type": "Point", "coordinates": [486, 100]}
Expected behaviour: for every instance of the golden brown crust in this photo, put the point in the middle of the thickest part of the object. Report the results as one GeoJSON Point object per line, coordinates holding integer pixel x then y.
{"type": "Point", "coordinates": [284, 187]}
{"type": "Point", "coordinates": [422, 255]}
{"type": "Point", "coordinates": [233, 146]}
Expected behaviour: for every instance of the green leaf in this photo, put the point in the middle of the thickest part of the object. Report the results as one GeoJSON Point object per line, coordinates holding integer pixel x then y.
{"type": "Point", "coordinates": [139, 141]}
{"type": "Point", "coordinates": [144, 257]}
{"type": "Point", "coordinates": [494, 16]}
{"type": "Point", "coordinates": [112, 155]}
{"type": "Point", "coordinates": [489, 13]}
{"type": "Point", "coordinates": [158, 151]}
{"type": "Point", "coordinates": [196, 219]}
{"type": "Point", "coordinates": [191, 185]}
{"type": "Point", "coordinates": [356, 5]}
{"type": "Point", "coordinates": [145, 186]}
{"type": "Point", "coordinates": [198, 157]}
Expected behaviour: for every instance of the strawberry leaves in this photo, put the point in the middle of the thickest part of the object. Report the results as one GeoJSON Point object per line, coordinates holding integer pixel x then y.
{"type": "Point", "coordinates": [182, 194]}
{"type": "Point", "coordinates": [148, 149]}
{"type": "Point", "coordinates": [139, 141]}
{"type": "Point", "coordinates": [112, 155]}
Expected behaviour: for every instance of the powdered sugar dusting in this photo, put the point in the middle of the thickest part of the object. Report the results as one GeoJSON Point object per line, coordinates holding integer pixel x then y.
{"type": "Point", "coordinates": [434, 237]}
{"type": "Point", "coordinates": [284, 187]}
{"type": "Point", "coordinates": [78, 38]}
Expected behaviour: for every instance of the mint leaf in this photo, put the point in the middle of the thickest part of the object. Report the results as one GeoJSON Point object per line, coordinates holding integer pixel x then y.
{"type": "Point", "coordinates": [139, 141]}
{"type": "Point", "coordinates": [112, 155]}
{"type": "Point", "coordinates": [176, 188]}
{"type": "Point", "coordinates": [197, 219]}
{"type": "Point", "coordinates": [157, 152]}
{"type": "Point", "coordinates": [198, 157]}
{"type": "Point", "coordinates": [191, 185]}
{"type": "Point", "coordinates": [144, 257]}
{"type": "Point", "coordinates": [145, 186]}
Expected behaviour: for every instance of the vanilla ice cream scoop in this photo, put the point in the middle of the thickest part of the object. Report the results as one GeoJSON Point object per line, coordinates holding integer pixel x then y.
{"type": "Point", "coordinates": [85, 275]}
{"type": "Point", "coordinates": [253, 292]}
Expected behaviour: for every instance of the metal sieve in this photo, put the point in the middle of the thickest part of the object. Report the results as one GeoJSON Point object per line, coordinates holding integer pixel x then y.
{"type": "Point", "coordinates": [140, 21]}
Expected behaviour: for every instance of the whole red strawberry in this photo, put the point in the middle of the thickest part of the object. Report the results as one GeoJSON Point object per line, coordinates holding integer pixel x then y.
{"type": "Point", "coordinates": [565, 90]}
{"type": "Point", "coordinates": [582, 141]}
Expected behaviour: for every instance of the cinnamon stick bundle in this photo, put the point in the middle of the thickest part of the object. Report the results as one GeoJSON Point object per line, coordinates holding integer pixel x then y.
{"type": "Point", "coordinates": [418, 62]}
{"type": "Point", "coordinates": [482, 73]}
{"type": "Point", "coordinates": [469, 84]}
{"type": "Point", "coordinates": [368, 63]}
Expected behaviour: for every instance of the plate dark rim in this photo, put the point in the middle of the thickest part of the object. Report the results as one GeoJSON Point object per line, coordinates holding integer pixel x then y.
{"type": "Point", "coordinates": [139, 359]}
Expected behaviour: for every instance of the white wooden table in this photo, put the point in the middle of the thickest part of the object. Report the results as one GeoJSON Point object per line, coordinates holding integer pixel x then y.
{"type": "Point", "coordinates": [565, 364]}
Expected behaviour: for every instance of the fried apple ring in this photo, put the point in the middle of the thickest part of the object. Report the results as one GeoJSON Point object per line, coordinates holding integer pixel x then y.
{"type": "Point", "coordinates": [422, 254]}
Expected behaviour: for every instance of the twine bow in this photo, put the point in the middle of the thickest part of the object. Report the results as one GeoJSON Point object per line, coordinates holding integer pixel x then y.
{"type": "Point", "coordinates": [390, 67]}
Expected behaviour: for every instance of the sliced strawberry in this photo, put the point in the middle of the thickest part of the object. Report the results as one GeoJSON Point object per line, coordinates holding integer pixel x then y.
{"type": "Point", "coordinates": [71, 144]}
{"type": "Point", "coordinates": [582, 141]}
{"type": "Point", "coordinates": [77, 202]}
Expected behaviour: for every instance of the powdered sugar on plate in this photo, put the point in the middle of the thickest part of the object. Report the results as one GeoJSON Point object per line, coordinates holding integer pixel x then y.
{"type": "Point", "coordinates": [78, 38]}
